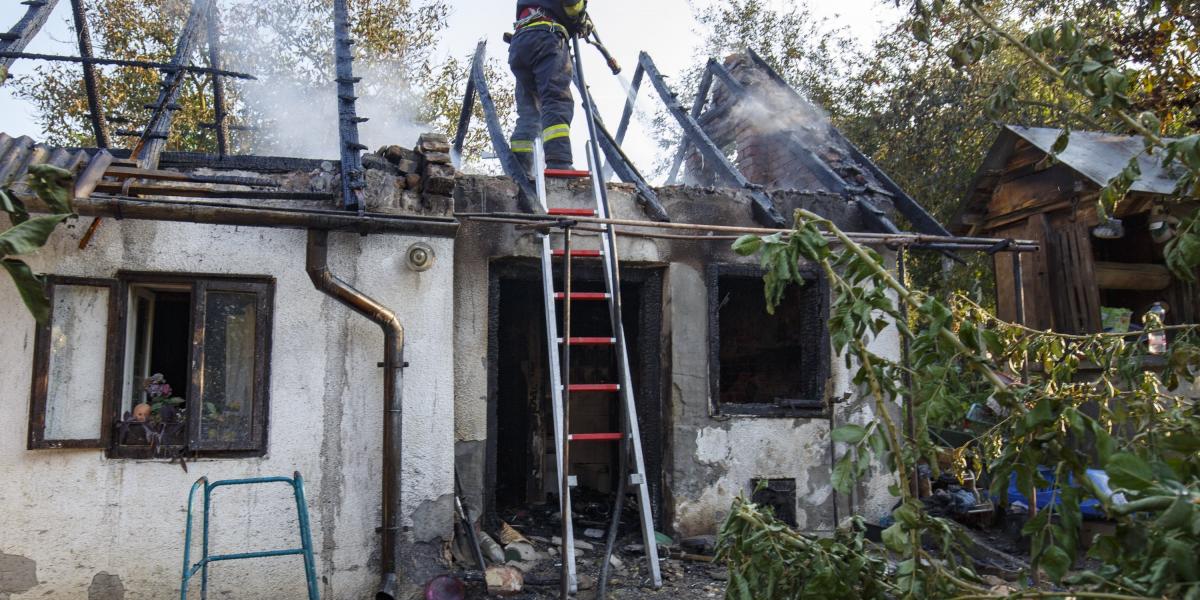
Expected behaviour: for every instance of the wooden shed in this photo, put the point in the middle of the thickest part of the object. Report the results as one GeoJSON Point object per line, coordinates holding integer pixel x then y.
{"type": "Point", "coordinates": [1021, 191]}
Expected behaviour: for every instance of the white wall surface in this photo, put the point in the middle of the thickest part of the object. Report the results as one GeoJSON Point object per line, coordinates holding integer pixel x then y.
{"type": "Point", "coordinates": [76, 513]}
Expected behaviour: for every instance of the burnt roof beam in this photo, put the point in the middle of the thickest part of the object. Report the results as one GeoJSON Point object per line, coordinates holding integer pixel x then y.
{"type": "Point", "coordinates": [508, 160]}
{"type": "Point", "coordinates": [349, 146]}
{"type": "Point", "coordinates": [819, 168]}
{"type": "Point", "coordinates": [697, 110]}
{"type": "Point", "coordinates": [17, 38]}
{"type": "Point", "coordinates": [914, 212]}
{"type": "Point", "coordinates": [154, 136]}
{"type": "Point", "coordinates": [764, 209]}
{"type": "Point", "coordinates": [95, 108]}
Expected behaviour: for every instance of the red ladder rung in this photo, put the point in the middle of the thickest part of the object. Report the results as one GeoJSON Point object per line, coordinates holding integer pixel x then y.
{"type": "Point", "coordinates": [590, 341]}
{"type": "Point", "coordinates": [572, 212]}
{"type": "Point", "coordinates": [557, 253]}
{"type": "Point", "coordinates": [567, 173]}
{"type": "Point", "coordinates": [593, 387]}
{"type": "Point", "coordinates": [583, 295]}
{"type": "Point", "coordinates": [596, 437]}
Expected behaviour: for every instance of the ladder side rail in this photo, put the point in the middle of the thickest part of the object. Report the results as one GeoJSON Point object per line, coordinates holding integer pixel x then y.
{"type": "Point", "coordinates": [612, 280]}
{"type": "Point", "coordinates": [567, 584]}
{"type": "Point", "coordinates": [557, 386]}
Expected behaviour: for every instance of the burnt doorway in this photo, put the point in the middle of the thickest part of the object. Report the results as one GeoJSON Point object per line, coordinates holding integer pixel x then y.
{"type": "Point", "coordinates": [521, 461]}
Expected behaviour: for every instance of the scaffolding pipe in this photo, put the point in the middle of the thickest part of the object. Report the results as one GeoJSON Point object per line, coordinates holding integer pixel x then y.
{"type": "Point", "coordinates": [317, 265]}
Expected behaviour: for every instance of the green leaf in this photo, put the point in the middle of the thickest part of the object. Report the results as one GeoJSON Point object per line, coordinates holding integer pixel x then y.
{"type": "Point", "coordinates": [1056, 562]}
{"type": "Point", "coordinates": [1128, 471]}
{"type": "Point", "coordinates": [53, 185]}
{"type": "Point", "coordinates": [849, 434]}
{"type": "Point", "coordinates": [14, 207]}
{"type": "Point", "coordinates": [29, 236]}
{"type": "Point", "coordinates": [747, 245]}
{"type": "Point", "coordinates": [843, 473]}
{"type": "Point", "coordinates": [31, 288]}
{"type": "Point", "coordinates": [895, 539]}
{"type": "Point", "coordinates": [1040, 415]}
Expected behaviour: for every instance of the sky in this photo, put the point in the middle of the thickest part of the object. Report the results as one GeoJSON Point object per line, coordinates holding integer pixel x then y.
{"type": "Point", "coordinates": [663, 28]}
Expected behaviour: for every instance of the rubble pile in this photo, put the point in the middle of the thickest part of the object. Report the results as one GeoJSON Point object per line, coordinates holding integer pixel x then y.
{"type": "Point", "coordinates": [419, 180]}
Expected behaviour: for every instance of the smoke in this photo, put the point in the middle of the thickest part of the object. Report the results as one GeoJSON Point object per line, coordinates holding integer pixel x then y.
{"type": "Point", "coordinates": [773, 109]}
{"type": "Point", "coordinates": [300, 119]}
{"type": "Point", "coordinates": [292, 106]}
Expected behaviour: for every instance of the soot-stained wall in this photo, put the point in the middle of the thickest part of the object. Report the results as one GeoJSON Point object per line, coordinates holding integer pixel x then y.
{"type": "Point", "coordinates": [707, 459]}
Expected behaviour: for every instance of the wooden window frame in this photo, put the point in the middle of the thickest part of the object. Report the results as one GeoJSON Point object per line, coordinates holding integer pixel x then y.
{"type": "Point", "coordinates": [199, 283]}
{"type": "Point", "coordinates": [39, 390]}
{"type": "Point", "coordinates": [805, 407]}
{"type": "Point", "coordinates": [112, 401]}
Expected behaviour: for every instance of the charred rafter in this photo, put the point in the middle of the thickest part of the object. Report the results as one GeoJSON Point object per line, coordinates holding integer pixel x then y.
{"type": "Point", "coordinates": [17, 38]}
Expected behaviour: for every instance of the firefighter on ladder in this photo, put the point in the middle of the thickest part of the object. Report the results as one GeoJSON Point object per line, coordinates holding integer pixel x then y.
{"type": "Point", "coordinates": [540, 58]}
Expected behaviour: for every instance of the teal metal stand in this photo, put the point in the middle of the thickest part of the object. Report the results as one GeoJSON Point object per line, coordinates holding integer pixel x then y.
{"type": "Point", "coordinates": [305, 549]}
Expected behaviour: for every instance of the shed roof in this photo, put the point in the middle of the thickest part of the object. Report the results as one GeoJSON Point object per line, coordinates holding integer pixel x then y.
{"type": "Point", "coordinates": [1095, 155]}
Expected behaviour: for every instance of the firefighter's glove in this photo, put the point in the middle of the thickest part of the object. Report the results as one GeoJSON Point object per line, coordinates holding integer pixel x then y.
{"type": "Point", "coordinates": [585, 27]}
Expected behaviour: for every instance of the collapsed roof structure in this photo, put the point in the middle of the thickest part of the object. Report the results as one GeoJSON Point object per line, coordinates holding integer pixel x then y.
{"type": "Point", "coordinates": [704, 402]}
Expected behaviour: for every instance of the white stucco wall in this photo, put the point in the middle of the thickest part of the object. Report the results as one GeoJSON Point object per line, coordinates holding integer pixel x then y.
{"type": "Point", "coordinates": [75, 513]}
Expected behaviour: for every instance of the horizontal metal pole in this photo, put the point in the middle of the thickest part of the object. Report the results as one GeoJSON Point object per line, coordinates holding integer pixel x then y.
{"type": "Point", "coordinates": [917, 240]}
{"type": "Point", "coordinates": [262, 554]}
{"type": "Point", "coordinates": [225, 482]}
{"type": "Point", "coordinates": [146, 64]}
{"type": "Point", "coordinates": [214, 213]}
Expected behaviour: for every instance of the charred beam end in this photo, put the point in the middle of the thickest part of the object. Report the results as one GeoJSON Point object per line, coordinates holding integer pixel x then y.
{"type": "Point", "coordinates": [151, 145]}
{"type": "Point", "coordinates": [620, 164]}
{"type": "Point", "coordinates": [764, 208]}
{"type": "Point", "coordinates": [84, 36]}
{"type": "Point", "coordinates": [16, 39]}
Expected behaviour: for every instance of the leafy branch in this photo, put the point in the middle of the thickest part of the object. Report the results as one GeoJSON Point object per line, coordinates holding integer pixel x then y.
{"type": "Point", "coordinates": [1123, 417]}
{"type": "Point", "coordinates": [28, 234]}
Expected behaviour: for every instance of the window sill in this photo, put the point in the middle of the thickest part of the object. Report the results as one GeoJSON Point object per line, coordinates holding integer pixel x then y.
{"type": "Point", "coordinates": [773, 411]}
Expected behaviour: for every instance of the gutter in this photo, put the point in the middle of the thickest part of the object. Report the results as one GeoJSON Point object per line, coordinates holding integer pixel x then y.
{"type": "Point", "coordinates": [317, 265]}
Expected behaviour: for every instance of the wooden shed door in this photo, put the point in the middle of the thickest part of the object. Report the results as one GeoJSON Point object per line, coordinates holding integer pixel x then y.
{"type": "Point", "coordinates": [1074, 295]}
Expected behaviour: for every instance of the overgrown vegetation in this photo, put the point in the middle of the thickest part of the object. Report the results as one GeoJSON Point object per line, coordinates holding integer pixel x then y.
{"type": "Point", "coordinates": [1134, 422]}
{"type": "Point", "coordinates": [1065, 403]}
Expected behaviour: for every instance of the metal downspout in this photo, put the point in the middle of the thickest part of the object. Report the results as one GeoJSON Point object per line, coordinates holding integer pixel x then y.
{"type": "Point", "coordinates": [317, 265]}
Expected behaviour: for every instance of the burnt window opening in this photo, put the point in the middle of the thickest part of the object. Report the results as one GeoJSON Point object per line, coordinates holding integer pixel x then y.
{"type": "Point", "coordinates": [180, 368]}
{"type": "Point", "coordinates": [766, 364]}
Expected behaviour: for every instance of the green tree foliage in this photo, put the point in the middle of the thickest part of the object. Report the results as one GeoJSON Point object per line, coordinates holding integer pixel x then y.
{"type": "Point", "coordinates": [1136, 423]}
{"type": "Point", "coordinates": [27, 234]}
{"type": "Point", "coordinates": [288, 46]}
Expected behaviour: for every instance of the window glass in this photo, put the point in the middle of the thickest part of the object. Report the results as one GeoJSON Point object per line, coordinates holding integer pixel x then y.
{"type": "Point", "coordinates": [226, 413]}
{"type": "Point", "coordinates": [77, 354]}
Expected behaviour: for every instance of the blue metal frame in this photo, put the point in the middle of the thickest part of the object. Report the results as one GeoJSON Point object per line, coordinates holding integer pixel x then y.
{"type": "Point", "coordinates": [305, 549]}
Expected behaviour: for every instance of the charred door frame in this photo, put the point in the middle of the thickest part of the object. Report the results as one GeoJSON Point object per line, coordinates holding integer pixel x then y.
{"type": "Point", "coordinates": [649, 364]}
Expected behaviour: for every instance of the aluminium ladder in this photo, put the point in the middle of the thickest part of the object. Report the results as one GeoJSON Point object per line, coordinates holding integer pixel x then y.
{"type": "Point", "coordinates": [629, 439]}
